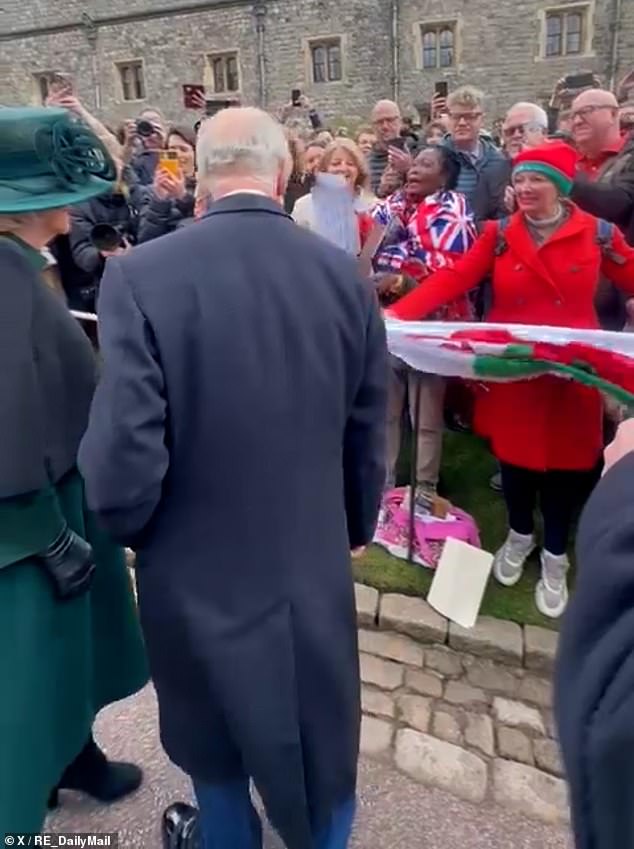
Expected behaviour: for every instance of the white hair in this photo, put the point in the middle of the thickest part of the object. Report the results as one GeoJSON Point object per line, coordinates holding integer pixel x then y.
{"type": "Point", "coordinates": [539, 115]}
{"type": "Point", "coordinates": [241, 142]}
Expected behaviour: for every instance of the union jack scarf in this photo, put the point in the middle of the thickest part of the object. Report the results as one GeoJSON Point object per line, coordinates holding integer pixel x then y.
{"type": "Point", "coordinates": [434, 232]}
{"type": "Point", "coordinates": [422, 238]}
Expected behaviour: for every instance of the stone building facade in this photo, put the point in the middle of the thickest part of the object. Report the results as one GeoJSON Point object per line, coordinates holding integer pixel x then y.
{"type": "Point", "coordinates": [343, 54]}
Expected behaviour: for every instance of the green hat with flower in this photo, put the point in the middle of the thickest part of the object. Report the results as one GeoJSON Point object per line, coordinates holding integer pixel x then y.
{"type": "Point", "coordinates": [49, 160]}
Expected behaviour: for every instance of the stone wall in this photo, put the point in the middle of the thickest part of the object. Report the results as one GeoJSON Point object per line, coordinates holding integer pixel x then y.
{"type": "Point", "coordinates": [468, 711]}
{"type": "Point", "coordinates": [499, 49]}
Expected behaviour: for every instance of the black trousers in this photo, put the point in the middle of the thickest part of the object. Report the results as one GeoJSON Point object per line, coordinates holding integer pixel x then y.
{"type": "Point", "coordinates": [560, 494]}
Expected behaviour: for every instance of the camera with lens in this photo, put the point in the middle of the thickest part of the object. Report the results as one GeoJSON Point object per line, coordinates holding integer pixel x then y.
{"type": "Point", "coordinates": [105, 237]}
{"type": "Point", "coordinates": [144, 128]}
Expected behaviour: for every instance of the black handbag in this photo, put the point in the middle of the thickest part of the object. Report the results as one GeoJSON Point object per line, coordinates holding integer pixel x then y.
{"type": "Point", "coordinates": [180, 827]}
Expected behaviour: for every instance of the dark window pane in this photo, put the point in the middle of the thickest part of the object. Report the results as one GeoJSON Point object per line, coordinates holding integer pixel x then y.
{"type": "Point", "coordinates": [574, 28]}
{"type": "Point", "coordinates": [429, 49]}
{"type": "Point", "coordinates": [233, 76]}
{"type": "Point", "coordinates": [446, 48]}
{"type": "Point", "coordinates": [42, 82]}
{"type": "Point", "coordinates": [553, 25]}
{"type": "Point", "coordinates": [139, 83]}
{"type": "Point", "coordinates": [319, 64]}
{"type": "Point", "coordinates": [573, 22]}
{"type": "Point", "coordinates": [334, 63]}
{"type": "Point", "coordinates": [554, 37]}
{"type": "Point", "coordinates": [218, 67]}
{"type": "Point", "coordinates": [126, 79]}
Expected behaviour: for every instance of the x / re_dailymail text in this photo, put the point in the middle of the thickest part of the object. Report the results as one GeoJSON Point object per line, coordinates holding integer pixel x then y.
{"type": "Point", "coordinates": [56, 841]}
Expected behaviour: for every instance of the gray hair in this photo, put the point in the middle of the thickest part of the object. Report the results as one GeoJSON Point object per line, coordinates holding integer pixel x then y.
{"type": "Point", "coordinates": [241, 142]}
{"type": "Point", "coordinates": [539, 115]}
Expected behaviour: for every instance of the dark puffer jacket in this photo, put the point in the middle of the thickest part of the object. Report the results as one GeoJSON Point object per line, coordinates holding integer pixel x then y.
{"type": "Point", "coordinates": [611, 197]}
{"type": "Point", "coordinates": [119, 210]}
{"type": "Point", "coordinates": [164, 216]}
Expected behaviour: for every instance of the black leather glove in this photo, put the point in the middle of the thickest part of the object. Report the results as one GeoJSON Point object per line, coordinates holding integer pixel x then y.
{"type": "Point", "coordinates": [69, 563]}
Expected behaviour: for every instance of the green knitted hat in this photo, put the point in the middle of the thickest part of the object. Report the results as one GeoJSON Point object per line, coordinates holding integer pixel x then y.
{"type": "Point", "coordinates": [555, 160]}
{"type": "Point", "coordinates": [49, 160]}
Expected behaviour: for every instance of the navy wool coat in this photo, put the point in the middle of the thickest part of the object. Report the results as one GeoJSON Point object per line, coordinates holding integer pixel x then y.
{"type": "Point", "coordinates": [237, 442]}
{"type": "Point", "coordinates": [595, 669]}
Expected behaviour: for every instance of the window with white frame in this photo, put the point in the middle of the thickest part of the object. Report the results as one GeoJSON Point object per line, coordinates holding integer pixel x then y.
{"type": "Point", "coordinates": [225, 72]}
{"type": "Point", "coordinates": [566, 31]}
{"type": "Point", "coordinates": [131, 80]}
{"type": "Point", "coordinates": [438, 42]}
{"type": "Point", "coordinates": [326, 60]}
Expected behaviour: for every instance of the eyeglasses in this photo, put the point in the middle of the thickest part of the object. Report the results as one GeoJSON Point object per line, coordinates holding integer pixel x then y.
{"type": "Point", "coordinates": [521, 129]}
{"type": "Point", "coordinates": [467, 117]}
{"type": "Point", "coordinates": [585, 111]}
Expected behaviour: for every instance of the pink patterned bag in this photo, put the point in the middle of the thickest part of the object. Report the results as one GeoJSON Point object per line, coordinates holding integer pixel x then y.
{"type": "Point", "coordinates": [429, 533]}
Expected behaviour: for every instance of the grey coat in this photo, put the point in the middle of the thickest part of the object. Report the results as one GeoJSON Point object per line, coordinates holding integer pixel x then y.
{"type": "Point", "coordinates": [237, 440]}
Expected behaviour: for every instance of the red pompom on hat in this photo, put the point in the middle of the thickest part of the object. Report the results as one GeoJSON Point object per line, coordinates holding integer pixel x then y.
{"type": "Point", "coordinates": [555, 160]}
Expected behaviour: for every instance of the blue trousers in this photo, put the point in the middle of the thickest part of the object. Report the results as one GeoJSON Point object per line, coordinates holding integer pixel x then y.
{"type": "Point", "coordinates": [228, 819]}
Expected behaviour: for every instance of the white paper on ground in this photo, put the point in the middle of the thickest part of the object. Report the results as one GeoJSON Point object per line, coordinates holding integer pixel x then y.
{"type": "Point", "coordinates": [460, 581]}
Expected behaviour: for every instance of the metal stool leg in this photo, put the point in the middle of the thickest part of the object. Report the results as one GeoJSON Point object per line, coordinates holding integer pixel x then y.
{"type": "Point", "coordinates": [413, 474]}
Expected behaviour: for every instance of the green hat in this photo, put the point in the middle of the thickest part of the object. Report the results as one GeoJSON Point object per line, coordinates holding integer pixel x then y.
{"type": "Point", "coordinates": [49, 160]}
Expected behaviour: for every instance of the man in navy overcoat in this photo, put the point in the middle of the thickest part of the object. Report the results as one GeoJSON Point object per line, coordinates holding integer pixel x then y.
{"type": "Point", "coordinates": [236, 441]}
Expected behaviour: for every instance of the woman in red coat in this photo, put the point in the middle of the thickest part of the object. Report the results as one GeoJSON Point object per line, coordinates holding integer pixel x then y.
{"type": "Point", "coordinates": [547, 433]}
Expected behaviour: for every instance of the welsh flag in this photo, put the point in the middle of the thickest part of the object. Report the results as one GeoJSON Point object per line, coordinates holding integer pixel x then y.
{"type": "Point", "coordinates": [496, 352]}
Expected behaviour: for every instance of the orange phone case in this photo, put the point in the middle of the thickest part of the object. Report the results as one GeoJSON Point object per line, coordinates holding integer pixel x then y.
{"type": "Point", "coordinates": [171, 164]}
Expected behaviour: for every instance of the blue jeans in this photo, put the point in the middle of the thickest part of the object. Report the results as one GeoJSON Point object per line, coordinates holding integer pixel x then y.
{"type": "Point", "coordinates": [228, 820]}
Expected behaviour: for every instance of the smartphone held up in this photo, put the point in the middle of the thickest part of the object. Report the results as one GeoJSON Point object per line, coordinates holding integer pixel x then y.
{"type": "Point", "coordinates": [60, 85]}
{"type": "Point", "coordinates": [168, 161]}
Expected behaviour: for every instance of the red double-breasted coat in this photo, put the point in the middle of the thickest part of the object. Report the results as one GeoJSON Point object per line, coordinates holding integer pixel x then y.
{"type": "Point", "coordinates": [546, 423]}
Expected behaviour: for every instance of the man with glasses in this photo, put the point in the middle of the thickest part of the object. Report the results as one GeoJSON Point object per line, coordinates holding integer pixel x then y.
{"type": "Point", "coordinates": [605, 186]}
{"type": "Point", "coordinates": [525, 126]}
{"type": "Point", "coordinates": [484, 170]}
{"type": "Point", "coordinates": [387, 124]}
{"type": "Point", "coordinates": [595, 130]}
{"type": "Point", "coordinates": [605, 181]}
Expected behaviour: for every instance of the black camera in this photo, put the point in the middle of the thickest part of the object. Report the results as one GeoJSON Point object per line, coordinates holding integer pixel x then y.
{"type": "Point", "coordinates": [144, 128]}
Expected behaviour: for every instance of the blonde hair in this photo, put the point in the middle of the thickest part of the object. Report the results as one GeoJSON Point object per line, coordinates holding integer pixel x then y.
{"type": "Point", "coordinates": [467, 95]}
{"type": "Point", "coordinates": [14, 223]}
{"type": "Point", "coordinates": [352, 149]}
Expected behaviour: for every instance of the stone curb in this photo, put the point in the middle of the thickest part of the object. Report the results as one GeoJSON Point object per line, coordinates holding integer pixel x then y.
{"type": "Point", "coordinates": [468, 711]}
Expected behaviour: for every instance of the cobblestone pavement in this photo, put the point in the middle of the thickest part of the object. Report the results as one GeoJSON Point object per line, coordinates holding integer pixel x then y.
{"type": "Point", "coordinates": [394, 812]}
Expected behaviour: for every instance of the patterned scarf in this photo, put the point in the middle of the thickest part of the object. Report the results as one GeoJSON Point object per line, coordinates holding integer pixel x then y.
{"type": "Point", "coordinates": [424, 237]}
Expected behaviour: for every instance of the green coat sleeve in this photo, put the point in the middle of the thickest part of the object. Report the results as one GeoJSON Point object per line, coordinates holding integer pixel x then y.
{"type": "Point", "coordinates": [28, 524]}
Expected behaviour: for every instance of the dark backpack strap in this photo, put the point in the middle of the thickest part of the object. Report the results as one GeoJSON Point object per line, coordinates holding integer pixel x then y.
{"type": "Point", "coordinates": [605, 240]}
{"type": "Point", "coordinates": [605, 234]}
{"type": "Point", "coordinates": [500, 245]}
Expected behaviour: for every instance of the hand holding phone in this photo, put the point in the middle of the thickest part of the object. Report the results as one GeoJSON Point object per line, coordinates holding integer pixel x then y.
{"type": "Point", "coordinates": [61, 85]}
{"type": "Point", "coordinates": [168, 161]}
{"type": "Point", "coordinates": [194, 97]}
{"type": "Point", "coordinates": [169, 181]}
{"type": "Point", "coordinates": [399, 159]}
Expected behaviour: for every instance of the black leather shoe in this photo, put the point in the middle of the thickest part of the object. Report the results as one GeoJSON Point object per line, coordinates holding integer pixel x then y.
{"type": "Point", "coordinates": [180, 827]}
{"type": "Point", "coordinates": [92, 773]}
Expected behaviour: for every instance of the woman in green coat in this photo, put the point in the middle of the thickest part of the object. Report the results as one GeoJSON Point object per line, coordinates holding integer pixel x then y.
{"type": "Point", "coordinates": [70, 642]}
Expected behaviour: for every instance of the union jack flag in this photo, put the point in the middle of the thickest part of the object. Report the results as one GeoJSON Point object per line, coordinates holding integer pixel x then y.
{"type": "Point", "coordinates": [433, 232]}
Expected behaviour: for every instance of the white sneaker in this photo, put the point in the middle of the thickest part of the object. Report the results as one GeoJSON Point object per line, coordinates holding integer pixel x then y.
{"type": "Point", "coordinates": [509, 561]}
{"type": "Point", "coordinates": [551, 592]}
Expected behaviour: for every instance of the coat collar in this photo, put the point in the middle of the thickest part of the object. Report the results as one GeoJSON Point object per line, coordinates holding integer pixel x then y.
{"type": "Point", "coordinates": [245, 202]}
{"type": "Point", "coordinates": [519, 238]}
{"type": "Point", "coordinates": [36, 258]}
